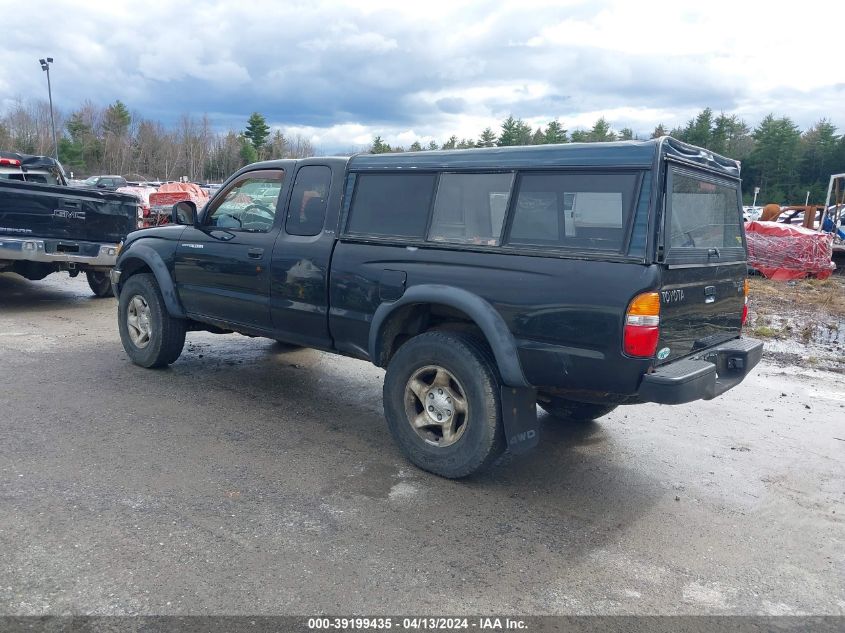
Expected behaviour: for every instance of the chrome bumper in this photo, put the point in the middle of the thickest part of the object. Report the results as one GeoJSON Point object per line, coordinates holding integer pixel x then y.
{"type": "Point", "coordinates": [40, 250]}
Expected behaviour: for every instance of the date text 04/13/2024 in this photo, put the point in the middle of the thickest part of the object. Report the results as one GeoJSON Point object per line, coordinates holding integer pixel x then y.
{"type": "Point", "coordinates": [416, 623]}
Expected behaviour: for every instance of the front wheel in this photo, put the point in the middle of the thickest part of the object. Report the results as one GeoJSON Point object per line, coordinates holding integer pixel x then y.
{"type": "Point", "coordinates": [564, 409]}
{"type": "Point", "coordinates": [150, 336]}
{"type": "Point", "coordinates": [99, 283]}
{"type": "Point", "coordinates": [441, 401]}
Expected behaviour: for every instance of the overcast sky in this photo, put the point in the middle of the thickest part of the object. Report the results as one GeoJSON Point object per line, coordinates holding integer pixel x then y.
{"type": "Point", "coordinates": [339, 72]}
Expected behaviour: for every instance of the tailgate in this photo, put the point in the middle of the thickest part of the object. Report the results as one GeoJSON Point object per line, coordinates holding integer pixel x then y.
{"type": "Point", "coordinates": [65, 213]}
{"type": "Point", "coordinates": [699, 307]}
{"type": "Point", "coordinates": [702, 293]}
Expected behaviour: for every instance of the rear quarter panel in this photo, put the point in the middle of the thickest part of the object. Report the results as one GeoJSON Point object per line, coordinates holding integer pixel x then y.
{"type": "Point", "coordinates": [565, 314]}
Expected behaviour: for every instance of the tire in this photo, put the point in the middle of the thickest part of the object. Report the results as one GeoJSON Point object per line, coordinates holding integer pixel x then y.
{"type": "Point", "coordinates": [475, 436]}
{"type": "Point", "coordinates": [100, 284]}
{"type": "Point", "coordinates": [564, 409]}
{"type": "Point", "coordinates": [156, 339]}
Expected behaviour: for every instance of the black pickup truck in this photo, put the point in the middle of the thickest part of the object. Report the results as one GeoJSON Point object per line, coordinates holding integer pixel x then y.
{"type": "Point", "coordinates": [47, 226]}
{"type": "Point", "coordinates": [578, 277]}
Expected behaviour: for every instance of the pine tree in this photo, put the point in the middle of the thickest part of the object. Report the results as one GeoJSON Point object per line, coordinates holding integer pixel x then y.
{"type": "Point", "coordinates": [659, 131]}
{"type": "Point", "coordinates": [487, 138]}
{"type": "Point", "coordinates": [379, 146]}
{"type": "Point", "coordinates": [257, 131]}
{"type": "Point", "coordinates": [415, 147]}
{"type": "Point", "coordinates": [451, 143]}
{"type": "Point", "coordinates": [626, 134]}
{"type": "Point", "coordinates": [117, 119]}
{"type": "Point", "coordinates": [601, 132]}
{"type": "Point", "coordinates": [699, 131]}
{"type": "Point", "coordinates": [819, 148]}
{"type": "Point", "coordinates": [555, 133]}
{"type": "Point", "coordinates": [514, 132]}
{"type": "Point", "coordinates": [248, 152]}
{"type": "Point", "coordinates": [774, 161]}
{"type": "Point", "coordinates": [731, 137]}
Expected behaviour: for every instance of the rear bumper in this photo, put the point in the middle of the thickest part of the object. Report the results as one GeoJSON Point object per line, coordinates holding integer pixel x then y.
{"type": "Point", "coordinates": [702, 376]}
{"type": "Point", "coordinates": [58, 251]}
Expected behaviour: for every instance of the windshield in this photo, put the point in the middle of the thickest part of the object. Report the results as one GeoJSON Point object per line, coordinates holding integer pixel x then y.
{"type": "Point", "coordinates": [91, 181]}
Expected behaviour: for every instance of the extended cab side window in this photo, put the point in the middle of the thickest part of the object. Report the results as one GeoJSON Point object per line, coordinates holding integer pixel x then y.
{"type": "Point", "coordinates": [573, 210]}
{"type": "Point", "coordinates": [308, 202]}
{"type": "Point", "coordinates": [703, 213]}
{"type": "Point", "coordinates": [391, 204]}
{"type": "Point", "coordinates": [470, 208]}
{"type": "Point", "coordinates": [248, 204]}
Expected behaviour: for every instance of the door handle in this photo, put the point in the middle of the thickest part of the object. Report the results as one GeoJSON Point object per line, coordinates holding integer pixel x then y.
{"type": "Point", "coordinates": [710, 294]}
{"type": "Point", "coordinates": [255, 253]}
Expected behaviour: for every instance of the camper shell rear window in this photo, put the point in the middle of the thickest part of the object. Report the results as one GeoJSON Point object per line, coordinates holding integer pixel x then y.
{"type": "Point", "coordinates": [703, 220]}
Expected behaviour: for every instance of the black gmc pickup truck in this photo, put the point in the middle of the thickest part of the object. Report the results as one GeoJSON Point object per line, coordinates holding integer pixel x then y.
{"type": "Point", "coordinates": [47, 226]}
{"type": "Point", "coordinates": [578, 277]}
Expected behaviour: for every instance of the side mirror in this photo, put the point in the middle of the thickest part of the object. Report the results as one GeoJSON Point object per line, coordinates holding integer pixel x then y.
{"type": "Point", "coordinates": [101, 185]}
{"type": "Point", "coordinates": [184, 212]}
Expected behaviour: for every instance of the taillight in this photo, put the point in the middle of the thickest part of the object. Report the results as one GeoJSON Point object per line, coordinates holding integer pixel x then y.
{"type": "Point", "coordinates": [642, 325]}
{"type": "Point", "coordinates": [745, 306]}
{"type": "Point", "coordinates": [10, 162]}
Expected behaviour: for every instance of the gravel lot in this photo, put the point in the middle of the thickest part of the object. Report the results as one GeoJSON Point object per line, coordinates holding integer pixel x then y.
{"type": "Point", "coordinates": [249, 479]}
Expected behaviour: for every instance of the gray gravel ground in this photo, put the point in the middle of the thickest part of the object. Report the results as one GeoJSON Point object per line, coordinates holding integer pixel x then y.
{"type": "Point", "coordinates": [249, 478]}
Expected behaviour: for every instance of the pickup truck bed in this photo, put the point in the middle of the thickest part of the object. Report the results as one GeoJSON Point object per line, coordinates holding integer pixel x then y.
{"type": "Point", "coordinates": [48, 228]}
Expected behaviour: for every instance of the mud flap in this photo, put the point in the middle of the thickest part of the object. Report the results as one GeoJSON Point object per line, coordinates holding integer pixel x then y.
{"type": "Point", "coordinates": [519, 416]}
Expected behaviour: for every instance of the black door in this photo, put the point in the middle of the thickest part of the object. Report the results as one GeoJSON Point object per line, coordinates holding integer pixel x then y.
{"type": "Point", "coordinates": [301, 259]}
{"type": "Point", "coordinates": [223, 267]}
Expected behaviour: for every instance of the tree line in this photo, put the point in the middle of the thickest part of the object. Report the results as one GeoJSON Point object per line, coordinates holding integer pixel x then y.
{"type": "Point", "coordinates": [112, 140]}
{"type": "Point", "coordinates": [776, 155]}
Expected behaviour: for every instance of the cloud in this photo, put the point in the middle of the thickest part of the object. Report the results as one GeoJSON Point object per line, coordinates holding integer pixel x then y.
{"type": "Point", "coordinates": [339, 72]}
{"type": "Point", "coordinates": [451, 105]}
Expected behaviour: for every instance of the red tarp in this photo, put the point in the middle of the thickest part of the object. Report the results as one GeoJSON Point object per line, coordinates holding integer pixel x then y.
{"type": "Point", "coordinates": [162, 201]}
{"type": "Point", "coordinates": [173, 192]}
{"type": "Point", "coordinates": [784, 251]}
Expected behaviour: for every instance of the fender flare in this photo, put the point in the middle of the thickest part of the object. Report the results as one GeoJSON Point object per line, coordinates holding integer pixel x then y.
{"type": "Point", "coordinates": [484, 315]}
{"type": "Point", "coordinates": [162, 274]}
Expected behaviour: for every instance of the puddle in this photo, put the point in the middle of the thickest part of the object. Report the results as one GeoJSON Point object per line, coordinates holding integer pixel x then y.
{"type": "Point", "coordinates": [807, 344]}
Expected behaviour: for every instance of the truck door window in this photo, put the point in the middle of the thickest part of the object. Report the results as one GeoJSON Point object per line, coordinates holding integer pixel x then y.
{"type": "Point", "coordinates": [470, 208]}
{"type": "Point", "coordinates": [249, 204]}
{"type": "Point", "coordinates": [307, 209]}
{"type": "Point", "coordinates": [573, 210]}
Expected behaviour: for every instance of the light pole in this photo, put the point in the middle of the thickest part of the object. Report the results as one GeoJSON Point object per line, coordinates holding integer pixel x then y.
{"type": "Point", "coordinates": [45, 65]}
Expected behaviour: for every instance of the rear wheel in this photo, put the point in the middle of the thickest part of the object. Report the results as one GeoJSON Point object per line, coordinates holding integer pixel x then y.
{"type": "Point", "coordinates": [564, 409]}
{"type": "Point", "coordinates": [99, 283]}
{"type": "Point", "coordinates": [150, 336]}
{"type": "Point", "coordinates": [441, 401]}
